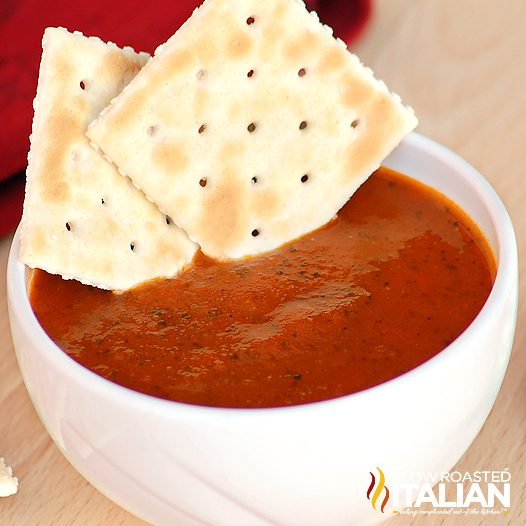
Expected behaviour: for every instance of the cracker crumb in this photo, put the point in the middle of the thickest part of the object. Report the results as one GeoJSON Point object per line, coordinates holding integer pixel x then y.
{"type": "Point", "coordinates": [8, 483]}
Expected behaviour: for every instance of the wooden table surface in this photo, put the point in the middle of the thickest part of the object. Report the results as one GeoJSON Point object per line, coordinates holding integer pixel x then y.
{"type": "Point", "coordinates": [462, 65]}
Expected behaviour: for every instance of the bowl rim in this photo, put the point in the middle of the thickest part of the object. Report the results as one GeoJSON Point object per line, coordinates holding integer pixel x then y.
{"type": "Point", "coordinates": [506, 277]}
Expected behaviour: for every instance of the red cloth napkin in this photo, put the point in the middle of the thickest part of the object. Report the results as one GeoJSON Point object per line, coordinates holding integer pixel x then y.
{"type": "Point", "coordinates": [142, 25]}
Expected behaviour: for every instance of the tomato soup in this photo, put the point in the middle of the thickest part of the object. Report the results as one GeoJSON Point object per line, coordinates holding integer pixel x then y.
{"type": "Point", "coordinates": [392, 280]}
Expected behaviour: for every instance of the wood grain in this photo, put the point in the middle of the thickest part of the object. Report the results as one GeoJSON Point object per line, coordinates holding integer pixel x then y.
{"type": "Point", "coordinates": [461, 64]}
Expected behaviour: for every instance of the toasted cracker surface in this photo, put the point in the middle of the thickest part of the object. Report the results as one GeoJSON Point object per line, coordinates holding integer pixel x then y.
{"type": "Point", "coordinates": [251, 126]}
{"type": "Point", "coordinates": [81, 218]}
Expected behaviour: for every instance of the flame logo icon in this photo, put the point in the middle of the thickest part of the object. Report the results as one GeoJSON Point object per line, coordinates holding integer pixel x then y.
{"type": "Point", "coordinates": [378, 491]}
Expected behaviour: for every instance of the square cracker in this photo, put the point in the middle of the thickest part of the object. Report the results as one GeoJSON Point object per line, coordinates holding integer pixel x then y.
{"type": "Point", "coordinates": [81, 218]}
{"type": "Point", "coordinates": [251, 126]}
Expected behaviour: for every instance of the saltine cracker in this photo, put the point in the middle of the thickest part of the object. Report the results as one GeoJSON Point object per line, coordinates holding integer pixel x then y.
{"type": "Point", "coordinates": [81, 218]}
{"type": "Point", "coordinates": [251, 126]}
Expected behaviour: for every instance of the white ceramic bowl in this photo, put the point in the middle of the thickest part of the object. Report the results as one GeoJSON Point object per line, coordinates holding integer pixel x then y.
{"type": "Point", "coordinates": [178, 464]}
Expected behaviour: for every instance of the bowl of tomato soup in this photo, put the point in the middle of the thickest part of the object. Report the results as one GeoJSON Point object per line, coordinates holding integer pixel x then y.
{"type": "Point", "coordinates": [266, 391]}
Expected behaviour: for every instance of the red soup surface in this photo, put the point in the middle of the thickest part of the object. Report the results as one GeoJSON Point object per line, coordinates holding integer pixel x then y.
{"type": "Point", "coordinates": [386, 285]}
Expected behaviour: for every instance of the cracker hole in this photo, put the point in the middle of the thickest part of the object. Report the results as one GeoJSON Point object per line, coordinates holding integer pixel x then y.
{"type": "Point", "coordinates": [250, 74]}
{"type": "Point", "coordinates": [304, 178]}
{"type": "Point", "coordinates": [251, 127]}
{"type": "Point", "coordinates": [202, 182]}
{"type": "Point", "coordinates": [303, 125]}
{"type": "Point", "coordinates": [355, 123]}
{"type": "Point", "coordinates": [102, 200]}
{"type": "Point", "coordinates": [132, 246]}
{"type": "Point", "coordinates": [302, 72]}
{"type": "Point", "coordinates": [151, 130]}
{"type": "Point", "coordinates": [254, 180]}
{"type": "Point", "coordinates": [82, 85]}
{"type": "Point", "coordinates": [201, 74]}
{"type": "Point", "coordinates": [250, 20]}
{"type": "Point", "coordinates": [74, 155]}
{"type": "Point", "coordinates": [168, 220]}
{"type": "Point", "coordinates": [255, 232]}
{"type": "Point", "coordinates": [68, 227]}
{"type": "Point", "coordinates": [202, 128]}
